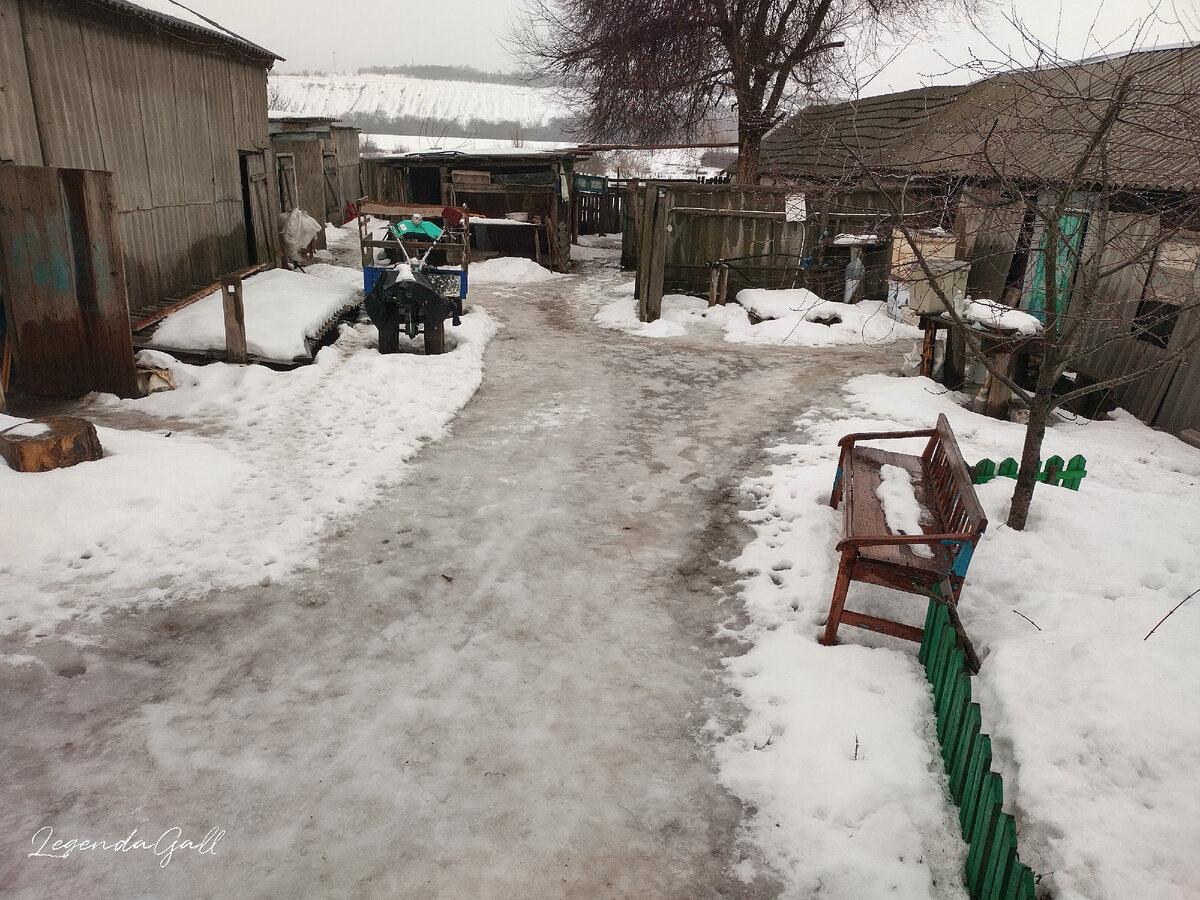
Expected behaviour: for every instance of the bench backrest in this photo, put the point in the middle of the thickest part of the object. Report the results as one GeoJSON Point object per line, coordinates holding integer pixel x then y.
{"type": "Point", "coordinates": [952, 489]}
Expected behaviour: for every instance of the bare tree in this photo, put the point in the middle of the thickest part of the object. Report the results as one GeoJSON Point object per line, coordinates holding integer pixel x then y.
{"type": "Point", "coordinates": [1072, 187]}
{"type": "Point", "coordinates": [649, 70]}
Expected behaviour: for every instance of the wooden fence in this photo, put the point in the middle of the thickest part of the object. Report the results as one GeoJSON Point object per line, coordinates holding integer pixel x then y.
{"type": "Point", "coordinates": [994, 871]}
{"type": "Point", "coordinates": [598, 213]}
{"type": "Point", "coordinates": [680, 228]}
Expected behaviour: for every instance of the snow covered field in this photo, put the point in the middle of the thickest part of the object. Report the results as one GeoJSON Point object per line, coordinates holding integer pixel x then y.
{"type": "Point", "coordinates": [239, 477]}
{"type": "Point", "coordinates": [405, 95]}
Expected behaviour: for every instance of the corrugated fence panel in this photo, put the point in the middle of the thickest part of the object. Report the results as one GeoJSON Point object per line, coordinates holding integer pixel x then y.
{"type": "Point", "coordinates": [245, 109]}
{"type": "Point", "coordinates": [18, 124]}
{"type": "Point", "coordinates": [158, 117]}
{"type": "Point", "coordinates": [61, 90]}
{"type": "Point", "coordinates": [172, 241]}
{"type": "Point", "coordinates": [1181, 405]}
{"type": "Point", "coordinates": [231, 235]}
{"type": "Point", "coordinates": [1114, 308]}
{"type": "Point", "coordinates": [141, 258]}
{"type": "Point", "coordinates": [112, 62]}
{"type": "Point", "coordinates": [205, 245]}
{"type": "Point", "coordinates": [191, 117]}
{"type": "Point", "coordinates": [222, 135]}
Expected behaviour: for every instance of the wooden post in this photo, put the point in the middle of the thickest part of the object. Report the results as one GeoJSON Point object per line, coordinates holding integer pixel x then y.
{"type": "Point", "coordinates": [235, 319]}
{"type": "Point", "coordinates": [723, 287]}
{"type": "Point", "coordinates": [656, 270]}
{"type": "Point", "coordinates": [999, 393]}
{"type": "Point", "coordinates": [714, 277]}
{"type": "Point", "coordinates": [645, 240]}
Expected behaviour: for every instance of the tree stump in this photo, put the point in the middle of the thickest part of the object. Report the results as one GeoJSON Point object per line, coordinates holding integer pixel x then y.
{"type": "Point", "coordinates": [54, 442]}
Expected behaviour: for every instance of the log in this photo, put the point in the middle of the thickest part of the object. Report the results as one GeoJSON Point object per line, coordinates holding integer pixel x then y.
{"type": "Point", "coordinates": [54, 442]}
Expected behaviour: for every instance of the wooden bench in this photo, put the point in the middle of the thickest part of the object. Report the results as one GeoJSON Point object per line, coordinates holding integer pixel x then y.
{"type": "Point", "coordinates": [952, 521]}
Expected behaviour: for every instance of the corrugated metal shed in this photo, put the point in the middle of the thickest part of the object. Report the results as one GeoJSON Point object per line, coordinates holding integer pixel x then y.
{"type": "Point", "coordinates": [167, 101]}
{"type": "Point", "coordinates": [1031, 124]}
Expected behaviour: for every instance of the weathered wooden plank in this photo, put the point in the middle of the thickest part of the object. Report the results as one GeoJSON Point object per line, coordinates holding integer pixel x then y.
{"type": "Point", "coordinates": [38, 285]}
{"type": "Point", "coordinates": [100, 292]}
{"type": "Point", "coordinates": [63, 280]}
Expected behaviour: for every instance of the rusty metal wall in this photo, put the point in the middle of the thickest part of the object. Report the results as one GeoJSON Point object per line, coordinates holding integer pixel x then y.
{"type": "Point", "coordinates": [167, 118]}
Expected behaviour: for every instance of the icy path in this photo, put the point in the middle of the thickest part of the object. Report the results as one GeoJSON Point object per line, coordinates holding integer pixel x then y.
{"type": "Point", "coordinates": [496, 686]}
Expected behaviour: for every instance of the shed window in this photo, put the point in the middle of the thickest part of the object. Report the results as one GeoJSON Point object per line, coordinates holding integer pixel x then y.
{"type": "Point", "coordinates": [1173, 283]}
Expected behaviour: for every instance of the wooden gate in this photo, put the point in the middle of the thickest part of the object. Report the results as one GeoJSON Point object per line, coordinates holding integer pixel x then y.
{"type": "Point", "coordinates": [682, 228]}
{"type": "Point", "coordinates": [63, 279]}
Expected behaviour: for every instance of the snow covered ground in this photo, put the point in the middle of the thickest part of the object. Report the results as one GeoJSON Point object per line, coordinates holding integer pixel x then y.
{"type": "Point", "coordinates": [792, 318]}
{"type": "Point", "coordinates": [1087, 715]}
{"type": "Point", "coordinates": [238, 478]}
{"type": "Point", "coordinates": [229, 479]}
{"type": "Point", "coordinates": [838, 755]}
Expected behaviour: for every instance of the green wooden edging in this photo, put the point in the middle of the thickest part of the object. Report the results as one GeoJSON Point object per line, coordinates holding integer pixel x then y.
{"type": "Point", "coordinates": [993, 870]}
{"type": "Point", "coordinates": [1055, 471]}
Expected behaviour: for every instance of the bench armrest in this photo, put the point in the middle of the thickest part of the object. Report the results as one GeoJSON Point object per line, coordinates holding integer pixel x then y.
{"type": "Point", "coordinates": [851, 439]}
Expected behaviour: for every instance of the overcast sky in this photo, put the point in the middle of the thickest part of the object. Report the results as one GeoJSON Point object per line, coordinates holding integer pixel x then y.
{"type": "Point", "coordinates": [317, 34]}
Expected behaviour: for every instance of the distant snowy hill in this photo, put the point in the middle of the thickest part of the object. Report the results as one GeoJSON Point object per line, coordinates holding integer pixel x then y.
{"type": "Point", "coordinates": [407, 97]}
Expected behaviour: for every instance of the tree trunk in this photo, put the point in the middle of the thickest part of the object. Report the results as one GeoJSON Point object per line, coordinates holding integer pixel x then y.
{"type": "Point", "coordinates": [1031, 454]}
{"type": "Point", "coordinates": [749, 147]}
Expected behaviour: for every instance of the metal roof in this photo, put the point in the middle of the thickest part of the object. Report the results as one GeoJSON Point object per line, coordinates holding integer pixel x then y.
{"type": "Point", "coordinates": [1033, 124]}
{"type": "Point", "coordinates": [177, 19]}
{"type": "Point", "coordinates": [499, 154]}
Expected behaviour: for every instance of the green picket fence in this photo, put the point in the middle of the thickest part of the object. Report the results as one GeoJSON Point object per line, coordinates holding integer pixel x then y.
{"type": "Point", "coordinates": [1055, 471]}
{"type": "Point", "coordinates": [993, 870]}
